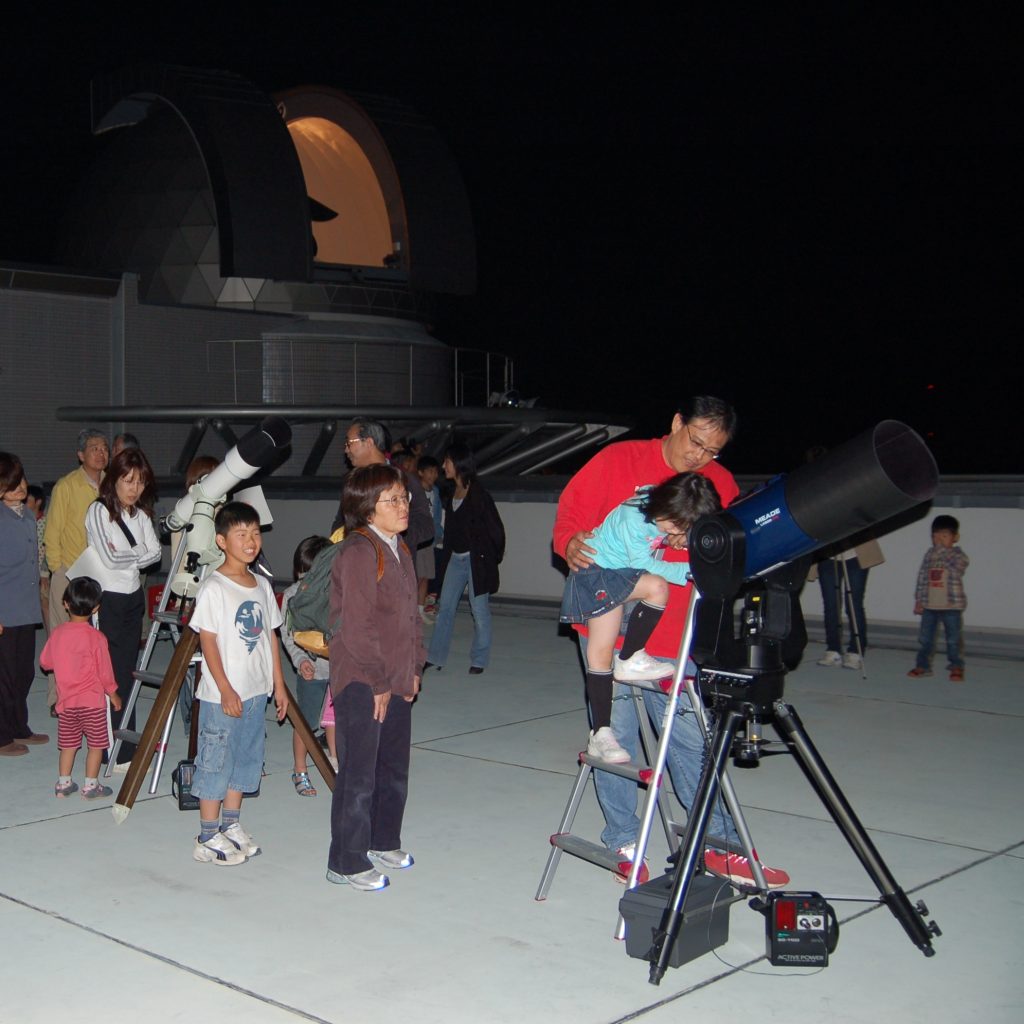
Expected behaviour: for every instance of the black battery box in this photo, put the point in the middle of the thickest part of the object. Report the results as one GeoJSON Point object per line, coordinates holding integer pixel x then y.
{"type": "Point", "coordinates": [705, 924]}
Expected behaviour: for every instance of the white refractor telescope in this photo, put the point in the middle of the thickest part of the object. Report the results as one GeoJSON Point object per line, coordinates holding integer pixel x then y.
{"type": "Point", "coordinates": [195, 512]}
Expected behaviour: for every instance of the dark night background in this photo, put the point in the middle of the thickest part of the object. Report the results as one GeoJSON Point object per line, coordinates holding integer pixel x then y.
{"type": "Point", "coordinates": [815, 216]}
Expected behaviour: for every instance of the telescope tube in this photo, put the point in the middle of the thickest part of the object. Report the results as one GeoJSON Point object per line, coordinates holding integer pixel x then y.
{"type": "Point", "coordinates": [871, 477]}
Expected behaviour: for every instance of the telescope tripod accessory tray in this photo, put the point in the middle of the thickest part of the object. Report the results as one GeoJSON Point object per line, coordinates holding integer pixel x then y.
{"type": "Point", "coordinates": [705, 924]}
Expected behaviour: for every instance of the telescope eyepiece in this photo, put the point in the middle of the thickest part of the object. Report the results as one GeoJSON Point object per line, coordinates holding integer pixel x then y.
{"type": "Point", "coordinates": [710, 540]}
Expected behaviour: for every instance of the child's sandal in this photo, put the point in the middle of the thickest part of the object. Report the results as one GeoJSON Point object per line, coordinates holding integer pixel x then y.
{"type": "Point", "coordinates": [302, 784]}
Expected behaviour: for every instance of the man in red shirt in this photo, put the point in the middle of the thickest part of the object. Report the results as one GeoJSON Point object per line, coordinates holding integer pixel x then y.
{"type": "Point", "coordinates": [699, 432]}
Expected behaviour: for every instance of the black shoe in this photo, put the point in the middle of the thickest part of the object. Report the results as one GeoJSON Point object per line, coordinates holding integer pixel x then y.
{"type": "Point", "coordinates": [475, 671]}
{"type": "Point", "coordinates": [430, 664]}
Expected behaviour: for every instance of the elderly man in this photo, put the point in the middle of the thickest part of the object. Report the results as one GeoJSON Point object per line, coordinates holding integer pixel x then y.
{"type": "Point", "coordinates": [367, 442]}
{"type": "Point", "coordinates": [64, 536]}
{"type": "Point", "coordinates": [698, 433]}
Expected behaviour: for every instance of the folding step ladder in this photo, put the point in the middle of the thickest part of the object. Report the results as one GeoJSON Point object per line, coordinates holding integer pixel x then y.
{"type": "Point", "coordinates": [642, 774]}
{"type": "Point", "coordinates": [173, 622]}
{"type": "Point", "coordinates": [651, 775]}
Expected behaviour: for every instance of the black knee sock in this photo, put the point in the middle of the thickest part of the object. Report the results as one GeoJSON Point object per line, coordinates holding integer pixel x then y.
{"type": "Point", "coordinates": [641, 626]}
{"type": "Point", "coordinates": [599, 696]}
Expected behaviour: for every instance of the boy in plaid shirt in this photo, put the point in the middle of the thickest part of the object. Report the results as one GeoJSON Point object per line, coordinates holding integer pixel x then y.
{"type": "Point", "coordinates": [940, 598]}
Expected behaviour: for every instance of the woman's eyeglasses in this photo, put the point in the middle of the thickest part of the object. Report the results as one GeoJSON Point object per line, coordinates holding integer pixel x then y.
{"type": "Point", "coordinates": [401, 499]}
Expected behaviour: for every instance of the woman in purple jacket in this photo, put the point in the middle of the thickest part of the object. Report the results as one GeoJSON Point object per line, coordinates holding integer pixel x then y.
{"type": "Point", "coordinates": [376, 657]}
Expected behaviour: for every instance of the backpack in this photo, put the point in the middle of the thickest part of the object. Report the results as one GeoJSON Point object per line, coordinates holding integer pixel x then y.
{"type": "Point", "coordinates": [309, 608]}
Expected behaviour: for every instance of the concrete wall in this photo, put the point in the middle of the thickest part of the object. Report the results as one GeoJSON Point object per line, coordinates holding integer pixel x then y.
{"type": "Point", "coordinates": [990, 536]}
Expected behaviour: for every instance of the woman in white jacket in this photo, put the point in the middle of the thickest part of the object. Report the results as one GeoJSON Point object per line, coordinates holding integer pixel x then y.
{"type": "Point", "coordinates": [119, 526]}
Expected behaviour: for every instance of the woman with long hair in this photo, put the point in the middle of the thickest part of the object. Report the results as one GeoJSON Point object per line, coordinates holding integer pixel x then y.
{"type": "Point", "coordinates": [474, 540]}
{"type": "Point", "coordinates": [119, 526]}
{"type": "Point", "coordinates": [19, 608]}
{"type": "Point", "coordinates": [376, 657]}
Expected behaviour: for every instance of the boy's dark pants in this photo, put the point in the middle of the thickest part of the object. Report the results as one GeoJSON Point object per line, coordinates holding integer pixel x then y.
{"type": "Point", "coordinates": [372, 781]}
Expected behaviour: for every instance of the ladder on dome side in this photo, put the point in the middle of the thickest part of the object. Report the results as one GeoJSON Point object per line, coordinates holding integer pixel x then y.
{"type": "Point", "coordinates": [651, 775]}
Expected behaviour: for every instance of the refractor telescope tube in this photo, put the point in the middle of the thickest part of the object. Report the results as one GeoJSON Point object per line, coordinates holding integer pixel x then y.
{"type": "Point", "coordinates": [254, 451]}
{"type": "Point", "coordinates": [196, 509]}
{"type": "Point", "coordinates": [877, 474]}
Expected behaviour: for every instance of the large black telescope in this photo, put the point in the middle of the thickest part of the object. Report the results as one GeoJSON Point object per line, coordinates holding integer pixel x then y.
{"type": "Point", "coordinates": [870, 478]}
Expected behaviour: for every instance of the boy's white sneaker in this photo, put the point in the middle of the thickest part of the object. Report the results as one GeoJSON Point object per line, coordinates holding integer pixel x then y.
{"type": "Point", "coordinates": [851, 659]}
{"type": "Point", "coordinates": [604, 745]}
{"type": "Point", "coordinates": [218, 850]}
{"type": "Point", "coordinates": [242, 839]}
{"type": "Point", "coordinates": [832, 659]}
{"type": "Point", "coordinates": [641, 666]}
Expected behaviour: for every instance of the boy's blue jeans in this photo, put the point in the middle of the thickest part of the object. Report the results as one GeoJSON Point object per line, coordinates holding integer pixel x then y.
{"type": "Point", "coordinates": [951, 620]}
{"type": "Point", "coordinates": [230, 751]}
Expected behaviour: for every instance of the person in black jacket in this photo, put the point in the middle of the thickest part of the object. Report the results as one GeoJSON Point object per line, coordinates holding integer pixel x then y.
{"type": "Point", "coordinates": [474, 539]}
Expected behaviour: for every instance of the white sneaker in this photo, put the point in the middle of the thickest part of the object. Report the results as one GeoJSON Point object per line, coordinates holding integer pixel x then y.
{"type": "Point", "coordinates": [604, 745]}
{"type": "Point", "coordinates": [852, 660]}
{"type": "Point", "coordinates": [242, 840]}
{"type": "Point", "coordinates": [370, 880]}
{"type": "Point", "coordinates": [218, 850]}
{"type": "Point", "coordinates": [832, 659]}
{"type": "Point", "coordinates": [396, 859]}
{"type": "Point", "coordinates": [121, 768]}
{"type": "Point", "coordinates": [428, 618]}
{"type": "Point", "coordinates": [642, 666]}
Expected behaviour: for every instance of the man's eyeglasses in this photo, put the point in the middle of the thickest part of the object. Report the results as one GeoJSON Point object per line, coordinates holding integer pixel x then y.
{"type": "Point", "coordinates": [711, 453]}
{"type": "Point", "coordinates": [401, 499]}
{"type": "Point", "coordinates": [349, 441]}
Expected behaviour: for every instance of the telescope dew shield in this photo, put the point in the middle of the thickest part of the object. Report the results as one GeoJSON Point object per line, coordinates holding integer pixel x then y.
{"type": "Point", "coordinates": [877, 474]}
{"type": "Point", "coordinates": [253, 451]}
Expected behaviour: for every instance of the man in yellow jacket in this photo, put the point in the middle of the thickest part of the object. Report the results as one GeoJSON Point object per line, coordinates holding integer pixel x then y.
{"type": "Point", "coordinates": [65, 536]}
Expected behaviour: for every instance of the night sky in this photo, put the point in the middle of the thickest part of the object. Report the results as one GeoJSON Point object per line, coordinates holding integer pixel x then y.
{"type": "Point", "coordinates": [817, 218]}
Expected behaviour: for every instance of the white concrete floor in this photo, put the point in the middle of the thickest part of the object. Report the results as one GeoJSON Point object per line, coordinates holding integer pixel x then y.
{"type": "Point", "coordinates": [105, 920]}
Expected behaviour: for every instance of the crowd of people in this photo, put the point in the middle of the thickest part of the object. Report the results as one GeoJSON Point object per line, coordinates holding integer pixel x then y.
{"type": "Point", "coordinates": [404, 553]}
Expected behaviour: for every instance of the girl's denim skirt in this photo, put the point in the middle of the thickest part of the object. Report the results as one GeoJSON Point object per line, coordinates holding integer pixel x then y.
{"type": "Point", "coordinates": [594, 591]}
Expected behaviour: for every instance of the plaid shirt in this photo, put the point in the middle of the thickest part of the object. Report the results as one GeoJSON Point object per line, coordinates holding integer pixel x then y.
{"type": "Point", "coordinates": [954, 562]}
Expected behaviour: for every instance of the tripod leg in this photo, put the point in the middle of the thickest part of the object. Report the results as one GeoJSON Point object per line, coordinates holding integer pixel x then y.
{"type": "Point", "coordinates": [316, 752]}
{"type": "Point", "coordinates": [731, 800]}
{"type": "Point", "coordinates": [158, 716]}
{"type": "Point", "coordinates": [851, 615]}
{"type": "Point", "coordinates": [792, 731]}
{"type": "Point", "coordinates": [693, 844]}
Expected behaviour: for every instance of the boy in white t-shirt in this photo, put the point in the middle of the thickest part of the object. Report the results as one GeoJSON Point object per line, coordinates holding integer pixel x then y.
{"type": "Point", "coordinates": [235, 616]}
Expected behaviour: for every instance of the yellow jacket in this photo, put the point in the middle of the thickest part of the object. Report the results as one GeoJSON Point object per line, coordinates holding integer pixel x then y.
{"type": "Point", "coordinates": [65, 536]}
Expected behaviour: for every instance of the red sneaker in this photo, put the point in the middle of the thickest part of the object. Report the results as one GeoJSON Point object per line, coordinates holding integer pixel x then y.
{"type": "Point", "coordinates": [737, 869]}
{"type": "Point", "coordinates": [627, 854]}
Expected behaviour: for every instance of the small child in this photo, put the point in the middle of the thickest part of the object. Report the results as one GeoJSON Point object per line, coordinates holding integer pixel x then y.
{"type": "Point", "coordinates": [311, 671]}
{"type": "Point", "coordinates": [329, 725]}
{"type": "Point", "coordinates": [235, 616]}
{"type": "Point", "coordinates": [79, 657]}
{"type": "Point", "coordinates": [35, 502]}
{"type": "Point", "coordinates": [428, 469]}
{"type": "Point", "coordinates": [940, 597]}
{"type": "Point", "coordinates": [627, 567]}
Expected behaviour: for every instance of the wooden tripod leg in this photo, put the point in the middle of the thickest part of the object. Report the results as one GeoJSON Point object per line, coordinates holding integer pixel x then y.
{"type": "Point", "coordinates": [166, 696]}
{"type": "Point", "coordinates": [301, 726]}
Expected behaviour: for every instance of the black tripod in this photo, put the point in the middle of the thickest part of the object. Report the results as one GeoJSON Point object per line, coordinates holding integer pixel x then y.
{"type": "Point", "coordinates": [748, 697]}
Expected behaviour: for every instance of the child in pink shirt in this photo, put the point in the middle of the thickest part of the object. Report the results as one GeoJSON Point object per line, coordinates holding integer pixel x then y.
{"type": "Point", "coordinates": [79, 658]}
